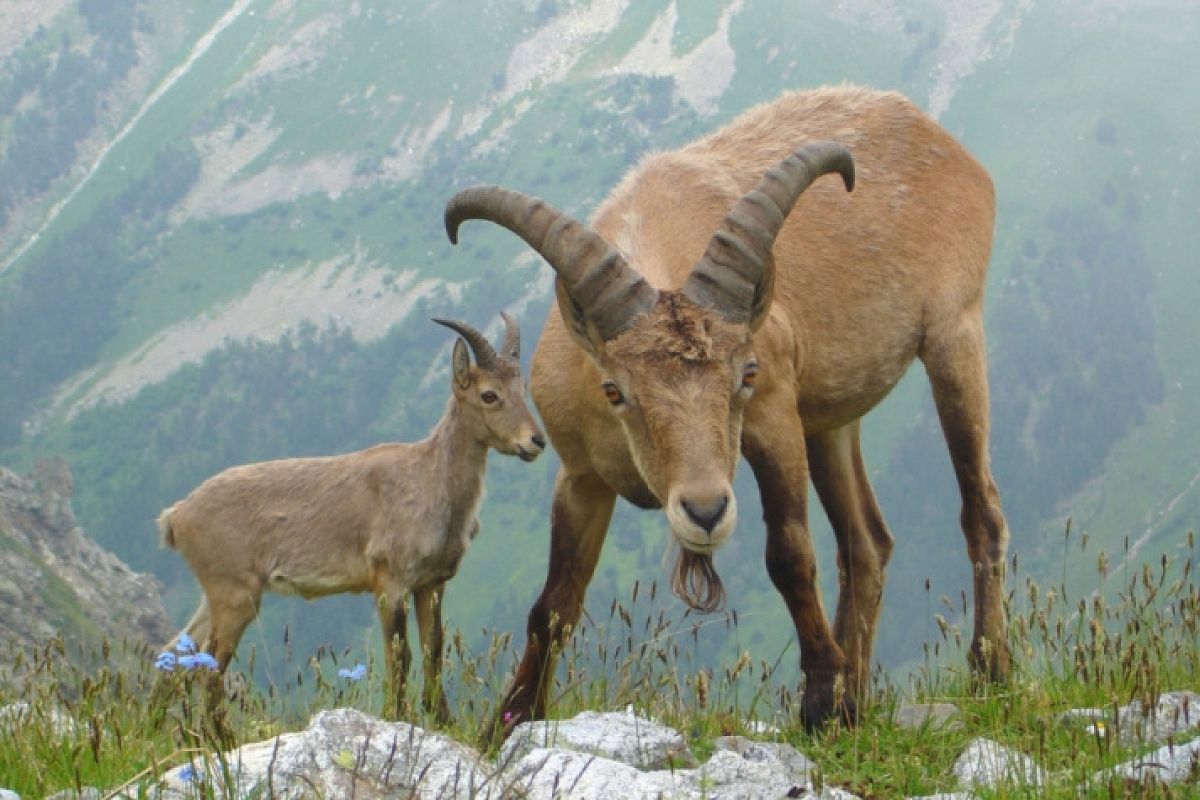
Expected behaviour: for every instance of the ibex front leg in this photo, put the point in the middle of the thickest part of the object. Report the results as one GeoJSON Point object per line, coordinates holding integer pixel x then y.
{"type": "Point", "coordinates": [393, 616]}
{"type": "Point", "coordinates": [428, 601]}
{"type": "Point", "coordinates": [578, 523]}
{"type": "Point", "coordinates": [777, 455]}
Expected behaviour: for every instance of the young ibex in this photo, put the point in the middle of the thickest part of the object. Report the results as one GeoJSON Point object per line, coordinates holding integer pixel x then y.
{"type": "Point", "coordinates": [394, 520]}
{"type": "Point", "coordinates": [697, 321]}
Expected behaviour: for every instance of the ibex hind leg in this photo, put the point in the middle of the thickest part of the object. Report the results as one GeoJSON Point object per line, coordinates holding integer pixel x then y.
{"type": "Point", "coordinates": [199, 630]}
{"type": "Point", "coordinates": [956, 361]}
{"type": "Point", "coordinates": [392, 601]}
{"type": "Point", "coordinates": [864, 547]}
{"type": "Point", "coordinates": [199, 627]}
{"type": "Point", "coordinates": [231, 609]}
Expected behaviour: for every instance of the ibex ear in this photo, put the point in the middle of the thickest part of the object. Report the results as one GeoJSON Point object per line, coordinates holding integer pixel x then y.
{"type": "Point", "coordinates": [573, 317]}
{"type": "Point", "coordinates": [461, 364]}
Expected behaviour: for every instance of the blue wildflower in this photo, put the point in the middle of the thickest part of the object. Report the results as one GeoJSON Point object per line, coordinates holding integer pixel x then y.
{"type": "Point", "coordinates": [353, 675]}
{"type": "Point", "coordinates": [165, 661]}
{"type": "Point", "coordinates": [189, 775]}
{"type": "Point", "coordinates": [184, 644]}
{"type": "Point", "coordinates": [198, 660]}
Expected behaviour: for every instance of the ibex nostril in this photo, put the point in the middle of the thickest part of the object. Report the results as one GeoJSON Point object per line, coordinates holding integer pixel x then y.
{"type": "Point", "coordinates": [706, 513]}
{"type": "Point", "coordinates": [540, 441]}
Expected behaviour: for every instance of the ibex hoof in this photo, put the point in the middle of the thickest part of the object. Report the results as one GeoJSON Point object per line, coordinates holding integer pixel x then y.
{"type": "Point", "coordinates": [989, 662]}
{"type": "Point", "coordinates": [826, 701]}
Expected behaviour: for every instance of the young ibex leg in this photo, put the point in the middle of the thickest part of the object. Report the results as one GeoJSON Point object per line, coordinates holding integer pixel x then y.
{"type": "Point", "coordinates": [230, 609]}
{"type": "Point", "coordinates": [957, 365]}
{"type": "Point", "coordinates": [428, 601]}
{"type": "Point", "coordinates": [199, 627]}
{"type": "Point", "coordinates": [578, 523]}
{"type": "Point", "coordinates": [864, 546]}
{"type": "Point", "coordinates": [780, 467]}
{"type": "Point", "coordinates": [393, 616]}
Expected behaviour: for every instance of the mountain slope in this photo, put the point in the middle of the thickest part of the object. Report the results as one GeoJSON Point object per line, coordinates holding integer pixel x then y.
{"type": "Point", "coordinates": [230, 251]}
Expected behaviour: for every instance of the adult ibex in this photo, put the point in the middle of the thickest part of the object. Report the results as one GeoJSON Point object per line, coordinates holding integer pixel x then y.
{"type": "Point", "coordinates": [696, 321]}
{"type": "Point", "coordinates": [394, 520]}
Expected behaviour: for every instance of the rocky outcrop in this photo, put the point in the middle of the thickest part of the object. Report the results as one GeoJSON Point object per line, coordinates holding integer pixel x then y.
{"type": "Point", "coordinates": [346, 753]}
{"type": "Point", "coordinates": [54, 579]}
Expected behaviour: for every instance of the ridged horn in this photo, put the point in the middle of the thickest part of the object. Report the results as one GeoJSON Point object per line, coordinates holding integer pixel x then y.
{"type": "Point", "coordinates": [485, 354]}
{"type": "Point", "coordinates": [512, 338]}
{"type": "Point", "coordinates": [606, 291]}
{"type": "Point", "coordinates": [735, 274]}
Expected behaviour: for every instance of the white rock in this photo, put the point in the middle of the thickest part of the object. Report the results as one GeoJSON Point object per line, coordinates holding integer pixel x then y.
{"type": "Point", "coordinates": [624, 737]}
{"type": "Point", "coordinates": [346, 753]}
{"type": "Point", "coordinates": [913, 716]}
{"type": "Point", "coordinates": [990, 764]}
{"type": "Point", "coordinates": [17, 715]}
{"type": "Point", "coordinates": [739, 768]}
{"type": "Point", "coordinates": [342, 753]}
{"type": "Point", "coordinates": [8, 794]}
{"type": "Point", "coordinates": [1169, 764]}
{"type": "Point", "coordinates": [1174, 714]}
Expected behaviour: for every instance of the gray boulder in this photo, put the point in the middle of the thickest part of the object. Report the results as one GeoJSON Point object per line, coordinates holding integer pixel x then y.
{"type": "Point", "coordinates": [912, 716]}
{"type": "Point", "coordinates": [989, 764]}
{"type": "Point", "coordinates": [1168, 764]}
{"type": "Point", "coordinates": [342, 753]}
{"type": "Point", "coordinates": [15, 716]}
{"type": "Point", "coordinates": [346, 753]}
{"type": "Point", "coordinates": [637, 741]}
{"type": "Point", "coordinates": [739, 768]}
{"type": "Point", "coordinates": [1175, 714]}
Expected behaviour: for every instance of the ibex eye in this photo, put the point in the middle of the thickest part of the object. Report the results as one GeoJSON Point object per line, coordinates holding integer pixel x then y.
{"type": "Point", "coordinates": [489, 397]}
{"type": "Point", "coordinates": [613, 393]}
{"type": "Point", "coordinates": [749, 375]}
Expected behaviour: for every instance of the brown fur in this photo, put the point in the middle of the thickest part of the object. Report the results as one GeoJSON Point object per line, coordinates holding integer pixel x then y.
{"type": "Point", "coordinates": [863, 284]}
{"type": "Point", "coordinates": [393, 520]}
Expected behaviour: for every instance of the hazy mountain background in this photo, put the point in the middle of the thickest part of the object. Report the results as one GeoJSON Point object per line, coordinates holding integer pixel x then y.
{"type": "Point", "coordinates": [221, 241]}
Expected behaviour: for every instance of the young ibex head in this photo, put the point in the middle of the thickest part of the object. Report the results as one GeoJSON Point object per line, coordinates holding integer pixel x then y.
{"type": "Point", "coordinates": [491, 394]}
{"type": "Point", "coordinates": [677, 366]}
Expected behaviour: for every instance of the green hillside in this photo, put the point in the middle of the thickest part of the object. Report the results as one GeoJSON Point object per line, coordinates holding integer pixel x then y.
{"type": "Point", "coordinates": [221, 241]}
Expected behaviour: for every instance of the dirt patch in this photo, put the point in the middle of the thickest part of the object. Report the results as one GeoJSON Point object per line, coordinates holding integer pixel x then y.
{"type": "Point", "coordinates": [223, 154]}
{"type": "Point", "coordinates": [701, 75]}
{"type": "Point", "coordinates": [547, 56]}
{"type": "Point", "coordinates": [20, 19]}
{"type": "Point", "coordinates": [362, 298]}
{"type": "Point", "coordinates": [300, 54]}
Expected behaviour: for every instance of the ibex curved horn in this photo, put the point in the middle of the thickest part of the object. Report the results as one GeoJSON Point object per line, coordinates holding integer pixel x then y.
{"type": "Point", "coordinates": [512, 338]}
{"type": "Point", "coordinates": [485, 354]}
{"type": "Point", "coordinates": [736, 272]}
{"type": "Point", "coordinates": [606, 292]}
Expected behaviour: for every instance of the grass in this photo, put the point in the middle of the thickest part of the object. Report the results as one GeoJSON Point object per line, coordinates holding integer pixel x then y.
{"type": "Point", "coordinates": [129, 722]}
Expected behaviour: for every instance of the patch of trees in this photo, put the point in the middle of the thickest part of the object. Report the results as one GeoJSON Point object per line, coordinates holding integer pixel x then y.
{"type": "Point", "coordinates": [1078, 365]}
{"type": "Point", "coordinates": [58, 312]}
{"type": "Point", "coordinates": [69, 89]}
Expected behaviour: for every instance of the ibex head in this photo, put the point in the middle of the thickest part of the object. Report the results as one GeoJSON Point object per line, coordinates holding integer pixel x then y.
{"type": "Point", "coordinates": [677, 366]}
{"type": "Point", "coordinates": [492, 393]}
